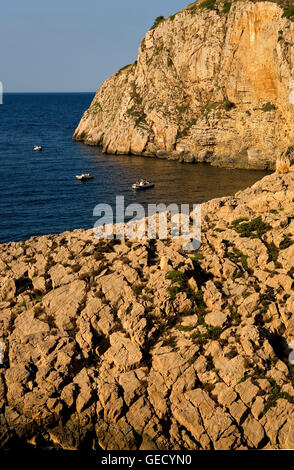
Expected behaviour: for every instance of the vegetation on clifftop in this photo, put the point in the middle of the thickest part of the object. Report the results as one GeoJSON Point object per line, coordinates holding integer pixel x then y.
{"type": "Point", "coordinates": [220, 7]}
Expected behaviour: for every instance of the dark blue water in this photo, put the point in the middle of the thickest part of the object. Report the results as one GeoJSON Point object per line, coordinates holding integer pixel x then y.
{"type": "Point", "coordinates": [38, 191]}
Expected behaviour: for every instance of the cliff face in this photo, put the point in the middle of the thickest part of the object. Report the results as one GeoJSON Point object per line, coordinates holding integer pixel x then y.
{"type": "Point", "coordinates": [209, 85]}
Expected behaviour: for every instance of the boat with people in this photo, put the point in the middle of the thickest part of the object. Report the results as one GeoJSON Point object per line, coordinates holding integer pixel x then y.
{"type": "Point", "coordinates": [38, 148]}
{"type": "Point", "coordinates": [143, 184]}
{"type": "Point", "coordinates": [85, 177]}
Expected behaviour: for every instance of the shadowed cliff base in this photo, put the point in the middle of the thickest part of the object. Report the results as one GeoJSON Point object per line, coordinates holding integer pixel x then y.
{"type": "Point", "coordinates": [212, 83]}
{"type": "Point", "coordinates": [139, 345]}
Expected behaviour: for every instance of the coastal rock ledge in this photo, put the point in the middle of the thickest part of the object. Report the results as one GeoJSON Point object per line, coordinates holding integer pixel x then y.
{"type": "Point", "coordinates": [212, 83]}
{"type": "Point", "coordinates": [138, 345]}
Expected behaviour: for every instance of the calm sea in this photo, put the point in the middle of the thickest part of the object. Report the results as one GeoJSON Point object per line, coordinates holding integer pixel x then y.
{"type": "Point", "coordinates": [39, 193]}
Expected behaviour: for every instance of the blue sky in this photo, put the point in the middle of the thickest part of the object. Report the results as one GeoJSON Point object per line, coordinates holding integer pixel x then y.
{"type": "Point", "coordinates": [72, 45]}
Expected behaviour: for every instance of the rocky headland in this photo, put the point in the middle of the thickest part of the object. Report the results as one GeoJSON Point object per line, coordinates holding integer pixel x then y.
{"type": "Point", "coordinates": [137, 345]}
{"type": "Point", "coordinates": [211, 83]}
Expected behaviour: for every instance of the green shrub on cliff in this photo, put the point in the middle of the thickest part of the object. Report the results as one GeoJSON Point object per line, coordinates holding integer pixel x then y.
{"type": "Point", "coordinates": [182, 108]}
{"type": "Point", "coordinates": [96, 108]}
{"type": "Point", "coordinates": [289, 13]}
{"type": "Point", "coordinates": [157, 21]}
{"type": "Point", "coordinates": [290, 150]}
{"type": "Point", "coordinates": [176, 277]}
{"type": "Point", "coordinates": [186, 129]}
{"type": "Point", "coordinates": [225, 104]}
{"type": "Point", "coordinates": [228, 105]}
{"type": "Point", "coordinates": [138, 115]}
{"type": "Point", "coordinates": [286, 242]}
{"type": "Point", "coordinates": [208, 4]}
{"type": "Point", "coordinates": [123, 68]}
{"type": "Point", "coordinates": [252, 229]}
{"type": "Point", "coordinates": [268, 107]}
{"type": "Point", "coordinates": [274, 395]}
{"type": "Point", "coordinates": [227, 7]}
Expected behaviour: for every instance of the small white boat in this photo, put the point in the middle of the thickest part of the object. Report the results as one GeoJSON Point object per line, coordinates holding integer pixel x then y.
{"type": "Point", "coordinates": [85, 177]}
{"type": "Point", "coordinates": [38, 148]}
{"type": "Point", "coordinates": [143, 184]}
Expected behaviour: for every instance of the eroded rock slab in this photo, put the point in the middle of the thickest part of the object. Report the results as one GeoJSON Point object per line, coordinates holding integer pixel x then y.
{"type": "Point", "coordinates": [139, 345]}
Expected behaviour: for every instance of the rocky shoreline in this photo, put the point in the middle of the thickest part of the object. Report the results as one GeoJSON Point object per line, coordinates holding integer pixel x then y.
{"type": "Point", "coordinates": [138, 345]}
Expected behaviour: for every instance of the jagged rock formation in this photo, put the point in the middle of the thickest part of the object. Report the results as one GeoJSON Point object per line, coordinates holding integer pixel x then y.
{"type": "Point", "coordinates": [126, 345]}
{"type": "Point", "coordinates": [211, 83]}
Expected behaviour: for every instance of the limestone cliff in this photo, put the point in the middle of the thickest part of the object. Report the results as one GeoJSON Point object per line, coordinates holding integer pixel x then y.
{"type": "Point", "coordinates": [211, 83]}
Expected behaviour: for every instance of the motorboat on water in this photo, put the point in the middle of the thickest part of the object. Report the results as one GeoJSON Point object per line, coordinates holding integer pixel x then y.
{"type": "Point", "coordinates": [143, 184]}
{"type": "Point", "coordinates": [85, 177]}
{"type": "Point", "coordinates": [38, 148]}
